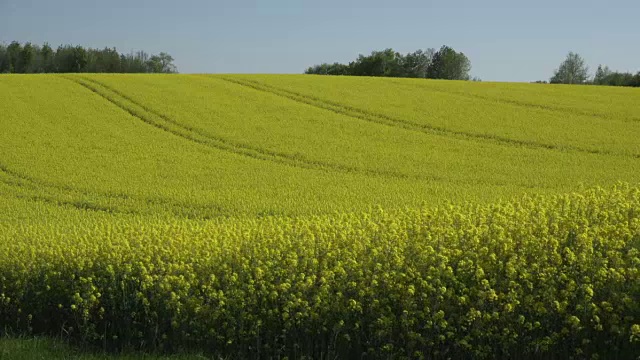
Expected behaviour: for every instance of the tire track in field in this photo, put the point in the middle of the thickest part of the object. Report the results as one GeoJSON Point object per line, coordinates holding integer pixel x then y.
{"type": "Point", "coordinates": [409, 125]}
{"type": "Point", "coordinates": [36, 183]}
{"type": "Point", "coordinates": [198, 136]}
{"type": "Point", "coordinates": [556, 109]}
{"type": "Point", "coordinates": [80, 205]}
{"type": "Point", "coordinates": [15, 179]}
{"type": "Point", "coordinates": [191, 138]}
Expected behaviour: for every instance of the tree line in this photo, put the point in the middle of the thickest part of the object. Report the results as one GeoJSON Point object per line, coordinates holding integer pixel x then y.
{"type": "Point", "coordinates": [445, 63]}
{"type": "Point", "coordinates": [17, 58]}
{"type": "Point", "coordinates": [574, 70]}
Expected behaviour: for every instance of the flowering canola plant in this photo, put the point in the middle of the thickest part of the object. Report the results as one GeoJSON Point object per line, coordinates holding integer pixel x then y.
{"type": "Point", "coordinates": [270, 216]}
{"type": "Point", "coordinates": [531, 277]}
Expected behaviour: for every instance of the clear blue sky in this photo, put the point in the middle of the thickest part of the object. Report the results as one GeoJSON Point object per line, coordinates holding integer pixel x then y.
{"type": "Point", "coordinates": [506, 40]}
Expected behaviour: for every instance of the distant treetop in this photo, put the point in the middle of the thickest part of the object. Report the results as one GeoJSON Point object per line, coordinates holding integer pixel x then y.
{"type": "Point", "coordinates": [29, 59]}
{"type": "Point", "coordinates": [573, 70]}
{"type": "Point", "coordinates": [445, 63]}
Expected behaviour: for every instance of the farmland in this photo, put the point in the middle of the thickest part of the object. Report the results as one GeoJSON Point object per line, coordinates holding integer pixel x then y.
{"type": "Point", "coordinates": [271, 216]}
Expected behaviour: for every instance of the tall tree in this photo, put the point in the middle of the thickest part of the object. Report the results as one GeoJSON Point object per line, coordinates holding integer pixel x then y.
{"type": "Point", "coordinates": [379, 63]}
{"type": "Point", "coordinates": [30, 58]}
{"type": "Point", "coordinates": [449, 64]}
{"type": "Point", "coordinates": [601, 75]}
{"type": "Point", "coordinates": [13, 53]}
{"type": "Point", "coordinates": [573, 70]}
{"type": "Point", "coordinates": [605, 76]}
{"type": "Point", "coordinates": [415, 64]}
{"type": "Point", "coordinates": [135, 62]}
{"type": "Point", "coordinates": [4, 59]}
{"type": "Point", "coordinates": [111, 59]}
{"type": "Point", "coordinates": [79, 59]}
{"type": "Point", "coordinates": [47, 54]}
{"type": "Point", "coordinates": [26, 60]}
{"type": "Point", "coordinates": [329, 69]}
{"type": "Point", "coordinates": [71, 59]}
{"type": "Point", "coordinates": [161, 63]}
{"type": "Point", "coordinates": [619, 79]}
{"type": "Point", "coordinates": [635, 82]}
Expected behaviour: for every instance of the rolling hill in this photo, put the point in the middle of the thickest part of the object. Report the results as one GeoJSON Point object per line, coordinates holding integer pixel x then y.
{"type": "Point", "coordinates": [285, 216]}
{"type": "Point", "coordinates": [227, 145]}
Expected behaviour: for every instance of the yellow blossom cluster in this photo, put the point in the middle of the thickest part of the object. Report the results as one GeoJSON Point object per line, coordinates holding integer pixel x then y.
{"type": "Point", "coordinates": [539, 275]}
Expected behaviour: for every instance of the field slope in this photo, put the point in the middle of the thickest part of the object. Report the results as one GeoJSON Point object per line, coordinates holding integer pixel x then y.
{"type": "Point", "coordinates": [253, 145]}
{"type": "Point", "coordinates": [285, 215]}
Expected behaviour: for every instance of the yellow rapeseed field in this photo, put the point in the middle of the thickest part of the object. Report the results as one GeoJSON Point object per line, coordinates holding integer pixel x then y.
{"type": "Point", "coordinates": [272, 216]}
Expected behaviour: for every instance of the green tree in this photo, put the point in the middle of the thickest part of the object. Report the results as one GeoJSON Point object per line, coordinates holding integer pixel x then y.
{"type": "Point", "coordinates": [449, 64]}
{"type": "Point", "coordinates": [77, 59]}
{"type": "Point", "coordinates": [4, 59]}
{"type": "Point", "coordinates": [573, 70]}
{"type": "Point", "coordinates": [619, 79]}
{"type": "Point", "coordinates": [161, 63]}
{"type": "Point", "coordinates": [111, 59]}
{"type": "Point", "coordinates": [635, 82]}
{"type": "Point", "coordinates": [71, 59]}
{"type": "Point", "coordinates": [26, 60]}
{"type": "Point", "coordinates": [604, 76]}
{"type": "Point", "coordinates": [329, 69]}
{"type": "Point", "coordinates": [47, 58]}
{"type": "Point", "coordinates": [415, 64]}
{"type": "Point", "coordinates": [380, 63]}
{"type": "Point", "coordinates": [13, 54]}
{"type": "Point", "coordinates": [30, 58]}
{"type": "Point", "coordinates": [135, 62]}
{"type": "Point", "coordinates": [601, 75]}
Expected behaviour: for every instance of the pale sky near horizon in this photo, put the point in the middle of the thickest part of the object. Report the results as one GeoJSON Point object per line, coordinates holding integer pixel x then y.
{"type": "Point", "coordinates": [506, 40]}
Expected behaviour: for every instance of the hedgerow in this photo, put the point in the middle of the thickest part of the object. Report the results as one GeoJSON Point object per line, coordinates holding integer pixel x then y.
{"type": "Point", "coordinates": [538, 277]}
